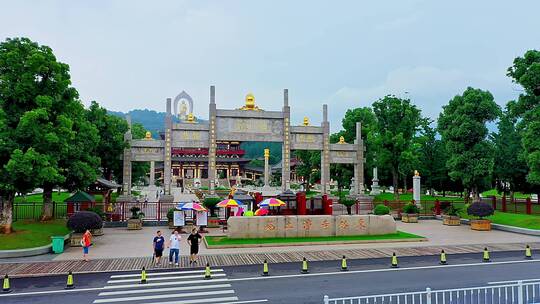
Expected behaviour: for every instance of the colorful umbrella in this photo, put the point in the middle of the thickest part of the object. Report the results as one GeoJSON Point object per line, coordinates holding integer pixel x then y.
{"type": "Point", "coordinates": [191, 206]}
{"type": "Point", "coordinates": [261, 211]}
{"type": "Point", "coordinates": [228, 203]}
{"type": "Point", "coordinates": [272, 202]}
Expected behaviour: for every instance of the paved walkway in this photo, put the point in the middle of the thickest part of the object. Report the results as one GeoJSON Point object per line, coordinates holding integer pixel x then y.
{"type": "Point", "coordinates": [120, 249]}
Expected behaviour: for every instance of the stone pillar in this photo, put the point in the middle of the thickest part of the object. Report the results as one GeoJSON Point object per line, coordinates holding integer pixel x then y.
{"type": "Point", "coordinates": [286, 149]}
{"type": "Point", "coordinates": [359, 165]}
{"type": "Point", "coordinates": [266, 168]}
{"type": "Point", "coordinates": [212, 142]}
{"type": "Point", "coordinates": [325, 153]}
{"type": "Point", "coordinates": [167, 163]}
{"type": "Point", "coordinates": [126, 173]}
{"type": "Point", "coordinates": [375, 190]}
{"type": "Point", "coordinates": [152, 181]}
{"type": "Point", "coordinates": [416, 188]}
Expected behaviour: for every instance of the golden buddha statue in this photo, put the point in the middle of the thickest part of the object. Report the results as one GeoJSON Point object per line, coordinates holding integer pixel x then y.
{"type": "Point", "coordinates": [341, 140]}
{"type": "Point", "coordinates": [148, 135]}
{"type": "Point", "coordinates": [416, 173]}
{"type": "Point", "coordinates": [250, 103]}
{"type": "Point", "coordinates": [190, 118]}
{"type": "Point", "coordinates": [306, 121]}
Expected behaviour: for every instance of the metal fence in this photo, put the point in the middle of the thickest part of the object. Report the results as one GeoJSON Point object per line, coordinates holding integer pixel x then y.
{"type": "Point", "coordinates": [519, 293]}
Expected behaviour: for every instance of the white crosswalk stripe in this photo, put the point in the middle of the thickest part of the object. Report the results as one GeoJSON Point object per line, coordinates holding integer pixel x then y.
{"type": "Point", "coordinates": [172, 287]}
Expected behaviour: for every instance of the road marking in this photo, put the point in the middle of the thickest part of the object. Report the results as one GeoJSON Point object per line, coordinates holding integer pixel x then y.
{"type": "Point", "coordinates": [154, 290]}
{"type": "Point", "coordinates": [210, 300]}
{"type": "Point", "coordinates": [381, 270]}
{"type": "Point", "coordinates": [163, 278]}
{"type": "Point", "coordinates": [165, 296]}
{"type": "Point", "coordinates": [137, 285]}
{"type": "Point", "coordinates": [245, 302]}
{"type": "Point", "coordinates": [152, 274]}
{"type": "Point", "coordinates": [513, 281]}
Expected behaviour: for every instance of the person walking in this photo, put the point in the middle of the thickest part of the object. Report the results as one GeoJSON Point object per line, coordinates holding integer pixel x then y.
{"type": "Point", "coordinates": [158, 244]}
{"type": "Point", "coordinates": [174, 245]}
{"type": "Point", "coordinates": [86, 242]}
{"type": "Point", "coordinates": [194, 240]}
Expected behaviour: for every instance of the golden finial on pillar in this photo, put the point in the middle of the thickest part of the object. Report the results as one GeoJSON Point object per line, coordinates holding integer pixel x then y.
{"type": "Point", "coordinates": [341, 140]}
{"type": "Point", "coordinates": [306, 121]}
{"type": "Point", "coordinates": [148, 135]}
{"type": "Point", "coordinates": [266, 153]}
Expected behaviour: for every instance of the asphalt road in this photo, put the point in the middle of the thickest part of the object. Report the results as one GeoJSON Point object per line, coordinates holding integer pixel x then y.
{"type": "Point", "coordinates": [244, 284]}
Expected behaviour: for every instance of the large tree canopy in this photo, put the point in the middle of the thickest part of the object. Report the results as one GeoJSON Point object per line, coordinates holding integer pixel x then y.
{"type": "Point", "coordinates": [526, 72]}
{"type": "Point", "coordinates": [462, 125]}
{"type": "Point", "coordinates": [398, 123]}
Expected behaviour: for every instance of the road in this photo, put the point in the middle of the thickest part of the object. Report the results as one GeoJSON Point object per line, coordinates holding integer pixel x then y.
{"type": "Point", "coordinates": [244, 284]}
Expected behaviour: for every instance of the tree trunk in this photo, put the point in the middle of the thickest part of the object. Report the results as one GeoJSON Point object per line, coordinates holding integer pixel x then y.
{"type": "Point", "coordinates": [395, 184]}
{"type": "Point", "coordinates": [47, 209]}
{"type": "Point", "coordinates": [349, 209]}
{"type": "Point", "coordinates": [511, 196]}
{"type": "Point", "coordinates": [6, 213]}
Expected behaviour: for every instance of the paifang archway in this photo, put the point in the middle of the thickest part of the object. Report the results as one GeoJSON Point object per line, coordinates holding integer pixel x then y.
{"type": "Point", "coordinates": [248, 123]}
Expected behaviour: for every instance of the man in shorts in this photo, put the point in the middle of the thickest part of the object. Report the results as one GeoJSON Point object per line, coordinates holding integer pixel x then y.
{"type": "Point", "coordinates": [193, 240]}
{"type": "Point", "coordinates": [174, 245]}
{"type": "Point", "coordinates": [158, 244]}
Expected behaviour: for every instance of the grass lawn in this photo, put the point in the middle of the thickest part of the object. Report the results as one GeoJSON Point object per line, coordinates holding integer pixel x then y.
{"type": "Point", "coordinates": [513, 219]}
{"type": "Point", "coordinates": [408, 197]}
{"type": "Point", "coordinates": [493, 192]}
{"type": "Point", "coordinates": [28, 234]}
{"type": "Point", "coordinates": [223, 240]}
{"type": "Point", "coordinates": [38, 198]}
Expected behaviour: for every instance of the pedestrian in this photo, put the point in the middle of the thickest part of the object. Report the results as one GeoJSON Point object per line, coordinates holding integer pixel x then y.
{"type": "Point", "coordinates": [86, 242]}
{"type": "Point", "coordinates": [193, 240]}
{"type": "Point", "coordinates": [174, 245]}
{"type": "Point", "coordinates": [158, 244]}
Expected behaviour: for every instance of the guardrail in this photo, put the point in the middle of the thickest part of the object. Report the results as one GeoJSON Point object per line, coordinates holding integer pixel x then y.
{"type": "Point", "coordinates": [519, 293]}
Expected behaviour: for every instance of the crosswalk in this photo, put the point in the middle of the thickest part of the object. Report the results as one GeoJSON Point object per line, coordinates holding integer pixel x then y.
{"type": "Point", "coordinates": [170, 287]}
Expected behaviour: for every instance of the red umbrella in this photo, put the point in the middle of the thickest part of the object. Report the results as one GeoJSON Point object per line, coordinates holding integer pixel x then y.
{"type": "Point", "coordinates": [262, 211]}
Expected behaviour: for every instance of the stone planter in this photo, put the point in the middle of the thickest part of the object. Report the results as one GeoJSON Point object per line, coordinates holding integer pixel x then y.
{"type": "Point", "coordinates": [409, 217]}
{"type": "Point", "coordinates": [97, 232]}
{"type": "Point", "coordinates": [451, 220]}
{"type": "Point", "coordinates": [135, 224]}
{"type": "Point", "coordinates": [75, 240]}
{"type": "Point", "coordinates": [481, 225]}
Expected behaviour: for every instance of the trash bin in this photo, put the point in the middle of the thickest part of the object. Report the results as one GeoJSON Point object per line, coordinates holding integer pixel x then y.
{"type": "Point", "coordinates": [57, 244]}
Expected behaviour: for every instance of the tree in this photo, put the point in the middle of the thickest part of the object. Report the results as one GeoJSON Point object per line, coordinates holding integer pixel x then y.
{"type": "Point", "coordinates": [526, 72]}
{"type": "Point", "coordinates": [433, 164]}
{"type": "Point", "coordinates": [462, 125]}
{"type": "Point", "coordinates": [309, 167]}
{"type": "Point", "coordinates": [510, 169]}
{"type": "Point", "coordinates": [138, 169]}
{"type": "Point", "coordinates": [398, 122]}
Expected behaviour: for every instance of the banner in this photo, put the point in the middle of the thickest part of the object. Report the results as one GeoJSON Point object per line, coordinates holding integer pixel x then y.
{"type": "Point", "coordinates": [178, 218]}
{"type": "Point", "coordinates": [202, 218]}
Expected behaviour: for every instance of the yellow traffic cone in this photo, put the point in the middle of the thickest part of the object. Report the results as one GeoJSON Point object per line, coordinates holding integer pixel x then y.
{"type": "Point", "coordinates": [443, 258]}
{"type": "Point", "coordinates": [394, 260]}
{"type": "Point", "coordinates": [304, 266]}
{"type": "Point", "coordinates": [265, 268]}
{"type": "Point", "coordinates": [207, 272]}
{"type": "Point", "coordinates": [528, 252]}
{"type": "Point", "coordinates": [486, 255]}
{"type": "Point", "coordinates": [143, 276]}
{"type": "Point", "coordinates": [344, 264]}
{"type": "Point", "coordinates": [6, 288]}
{"type": "Point", "coordinates": [69, 283]}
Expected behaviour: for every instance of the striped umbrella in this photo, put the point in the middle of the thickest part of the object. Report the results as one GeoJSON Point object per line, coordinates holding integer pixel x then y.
{"type": "Point", "coordinates": [191, 206]}
{"type": "Point", "coordinates": [272, 202]}
{"type": "Point", "coordinates": [228, 203]}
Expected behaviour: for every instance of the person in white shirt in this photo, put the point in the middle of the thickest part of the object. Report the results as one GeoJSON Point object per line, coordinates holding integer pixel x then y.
{"type": "Point", "coordinates": [174, 245]}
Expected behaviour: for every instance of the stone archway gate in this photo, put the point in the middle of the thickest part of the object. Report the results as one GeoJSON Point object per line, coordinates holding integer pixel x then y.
{"type": "Point", "coordinates": [244, 125]}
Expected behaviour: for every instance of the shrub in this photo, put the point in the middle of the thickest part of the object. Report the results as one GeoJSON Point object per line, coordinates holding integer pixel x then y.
{"type": "Point", "coordinates": [84, 220]}
{"type": "Point", "coordinates": [136, 212]}
{"type": "Point", "coordinates": [97, 210]}
{"type": "Point", "coordinates": [170, 214]}
{"type": "Point", "coordinates": [451, 210]}
{"type": "Point", "coordinates": [210, 203]}
{"type": "Point", "coordinates": [381, 209]}
{"type": "Point", "coordinates": [480, 209]}
{"type": "Point", "coordinates": [411, 208]}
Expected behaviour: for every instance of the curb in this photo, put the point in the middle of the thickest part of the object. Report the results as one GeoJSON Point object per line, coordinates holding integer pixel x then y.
{"type": "Point", "coordinates": [502, 227]}
{"type": "Point", "coordinates": [313, 243]}
{"type": "Point", "coordinates": [26, 252]}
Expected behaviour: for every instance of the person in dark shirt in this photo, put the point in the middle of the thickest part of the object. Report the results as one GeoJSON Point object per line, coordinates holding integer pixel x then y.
{"type": "Point", "coordinates": [158, 245]}
{"type": "Point", "coordinates": [193, 240]}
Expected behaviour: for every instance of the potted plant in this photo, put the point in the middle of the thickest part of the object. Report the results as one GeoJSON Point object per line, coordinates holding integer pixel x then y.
{"type": "Point", "coordinates": [480, 210]}
{"type": "Point", "coordinates": [381, 209]}
{"type": "Point", "coordinates": [210, 203]}
{"type": "Point", "coordinates": [410, 213]}
{"type": "Point", "coordinates": [101, 214]}
{"type": "Point", "coordinates": [451, 216]}
{"type": "Point", "coordinates": [135, 221]}
{"type": "Point", "coordinates": [81, 221]}
{"type": "Point", "coordinates": [170, 218]}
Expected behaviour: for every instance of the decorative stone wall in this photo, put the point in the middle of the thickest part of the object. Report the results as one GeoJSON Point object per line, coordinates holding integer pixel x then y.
{"type": "Point", "coordinates": [309, 226]}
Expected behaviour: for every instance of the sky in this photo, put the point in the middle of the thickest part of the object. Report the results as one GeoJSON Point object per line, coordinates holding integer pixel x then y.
{"type": "Point", "coordinates": [134, 54]}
